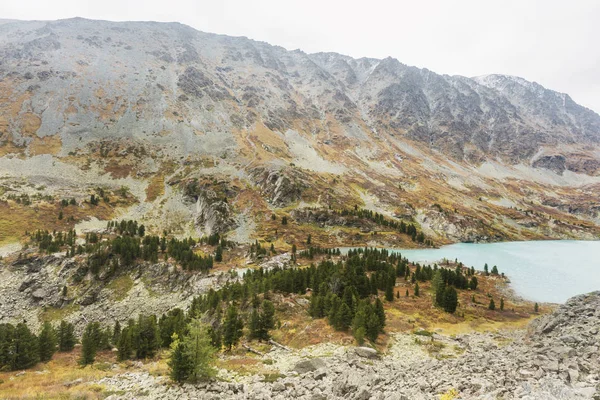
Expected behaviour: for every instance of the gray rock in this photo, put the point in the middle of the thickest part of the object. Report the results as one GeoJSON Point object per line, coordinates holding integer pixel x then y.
{"type": "Point", "coordinates": [305, 366]}
{"type": "Point", "coordinates": [366, 352]}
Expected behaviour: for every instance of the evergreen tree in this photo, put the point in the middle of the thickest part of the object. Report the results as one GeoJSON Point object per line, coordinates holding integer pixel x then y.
{"type": "Point", "coordinates": [25, 352]}
{"type": "Point", "coordinates": [89, 343]}
{"type": "Point", "coordinates": [125, 345]}
{"type": "Point", "coordinates": [450, 299]}
{"type": "Point", "coordinates": [309, 239]}
{"type": "Point", "coordinates": [473, 283]}
{"type": "Point", "coordinates": [492, 305]}
{"type": "Point", "coordinates": [180, 363]}
{"type": "Point", "coordinates": [66, 336]}
{"type": "Point", "coordinates": [494, 270]}
{"type": "Point", "coordinates": [486, 270]}
{"type": "Point", "coordinates": [536, 307]}
{"type": "Point", "coordinates": [406, 295]}
{"type": "Point", "coordinates": [47, 342]}
{"type": "Point", "coordinates": [219, 254]}
{"type": "Point", "coordinates": [232, 327]}
{"type": "Point", "coordinates": [501, 304]}
{"type": "Point", "coordinates": [116, 334]}
{"type": "Point", "coordinates": [389, 290]}
{"type": "Point", "coordinates": [197, 345]}
{"type": "Point", "coordinates": [267, 319]}
{"type": "Point", "coordinates": [254, 325]}
{"type": "Point", "coordinates": [416, 289]}
{"type": "Point", "coordinates": [372, 327]}
{"type": "Point", "coordinates": [380, 312]}
{"type": "Point", "coordinates": [146, 337]}
{"type": "Point", "coordinates": [344, 318]}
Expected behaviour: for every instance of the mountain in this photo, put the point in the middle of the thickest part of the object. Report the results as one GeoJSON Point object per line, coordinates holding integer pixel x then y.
{"type": "Point", "coordinates": [197, 132]}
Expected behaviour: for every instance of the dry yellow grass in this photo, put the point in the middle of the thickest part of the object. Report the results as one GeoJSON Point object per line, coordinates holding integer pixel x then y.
{"type": "Point", "coordinates": [47, 381]}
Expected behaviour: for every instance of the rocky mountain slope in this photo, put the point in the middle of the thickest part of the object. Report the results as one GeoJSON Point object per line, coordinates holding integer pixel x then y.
{"type": "Point", "coordinates": [185, 119]}
{"type": "Point", "coordinates": [557, 359]}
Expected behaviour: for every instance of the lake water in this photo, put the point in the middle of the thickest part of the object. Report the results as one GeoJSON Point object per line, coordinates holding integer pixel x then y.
{"type": "Point", "coordinates": [544, 271]}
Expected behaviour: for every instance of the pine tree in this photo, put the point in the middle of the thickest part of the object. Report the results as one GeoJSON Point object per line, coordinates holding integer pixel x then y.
{"type": "Point", "coordinates": [125, 345]}
{"type": "Point", "coordinates": [180, 363]}
{"type": "Point", "coordinates": [406, 295]}
{"type": "Point", "coordinates": [309, 239]}
{"type": "Point", "coordinates": [492, 305]}
{"type": "Point", "coordinates": [486, 270]}
{"type": "Point", "coordinates": [536, 307]}
{"type": "Point", "coordinates": [494, 270]}
{"type": "Point", "coordinates": [219, 254]}
{"type": "Point", "coordinates": [89, 343]}
{"type": "Point", "coordinates": [380, 312]}
{"type": "Point", "coordinates": [389, 290]}
{"type": "Point", "coordinates": [197, 345]}
{"type": "Point", "coordinates": [116, 334]}
{"type": "Point", "coordinates": [344, 318]}
{"type": "Point", "coordinates": [473, 283]}
{"type": "Point", "coordinates": [25, 353]}
{"type": "Point", "coordinates": [254, 325]}
{"type": "Point", "coordinates": [232, 327]}
{"type": "Point", "coordinates": [372, 327]}
{"type": "Point", "coordinates": [146, 337]}
{"type": "Point", "coordinates": [416, 289]}
{"type": "Point", "coordinates": [267, 319]}
{"type": "Point", "coordinates": [450, 299]}
{"type": "Point", "coordinates": [66, 336]}
{"type": "Point", "coordinates": [501, 304]}
{"type": "Point", "coordinates": [47, 342]}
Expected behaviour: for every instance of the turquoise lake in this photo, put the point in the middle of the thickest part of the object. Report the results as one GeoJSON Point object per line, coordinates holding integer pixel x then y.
{"type": "Point", "coordinates": [544, 271]}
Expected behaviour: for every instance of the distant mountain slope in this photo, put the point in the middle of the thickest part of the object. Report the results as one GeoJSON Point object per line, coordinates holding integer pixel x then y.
{"type": "Point", "coordinates": [141, 100]}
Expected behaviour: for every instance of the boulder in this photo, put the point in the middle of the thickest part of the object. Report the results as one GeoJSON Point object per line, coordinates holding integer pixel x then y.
{"type": "Point", "coordinates": [305, 366]}
{"type": "Point", "coordinates": [366, 352]}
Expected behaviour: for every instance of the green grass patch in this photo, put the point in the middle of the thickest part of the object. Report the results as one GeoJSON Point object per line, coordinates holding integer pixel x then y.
{"type": "Point", "coordinates": [120, 287]}
{"type": "Point", "coordinates": [51, 314]}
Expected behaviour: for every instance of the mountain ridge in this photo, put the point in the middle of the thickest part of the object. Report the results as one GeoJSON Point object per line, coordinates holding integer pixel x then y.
{"type": "Point", "coordinates": [152, 105]}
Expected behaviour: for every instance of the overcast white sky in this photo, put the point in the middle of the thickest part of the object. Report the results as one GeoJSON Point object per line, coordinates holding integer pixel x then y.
{"type": "Point", "coordinates": [552, 42]}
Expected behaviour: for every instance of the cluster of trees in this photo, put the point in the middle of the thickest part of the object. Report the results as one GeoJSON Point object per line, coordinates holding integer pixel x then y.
{"type": "Point", "coordinates": [131, 245]}
{"type": "Point", "coordinates": [313, 251]}
{"type": "Point", "coordinates": [126, 227]}
{"type": "Point", "coordinates": [402, 227]}
{"type": "Point", "coordinates": [53, 242]}
{"type": "Point", "coordinates": [66, 203]}
{"type": "Point", "coordinates": [20, 348]}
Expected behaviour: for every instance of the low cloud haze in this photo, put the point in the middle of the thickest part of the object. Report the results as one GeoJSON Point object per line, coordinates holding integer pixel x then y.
{"type": "Point", "coordinates": [550, 42]}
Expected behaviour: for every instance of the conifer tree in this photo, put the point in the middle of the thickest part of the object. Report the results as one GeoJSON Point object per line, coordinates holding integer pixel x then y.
{"type": "Point", "coordinates": [536, 307]}
{"type": "Point", "coordinates": [179, 363]}
{"type": "Point", "coordinates": [494, 270]}
{"type": "Point", "coordinates": [116, 334]}
{"type": "Point", "coordinates": [232, 327]}
{"type": "Point", "coordinates": [197, 345]}
{"type": "Point", "coordinates": [267, 319]}
{"type": "Point", "coordinates": [344, 318]}
{"type": "Point", "coordinates": [416, 289]}
{"type": "Point", "coordinates": [380, 312]}
{"type": "Point", "coordinates": [389, 290]}
{"type": "Point", "coordinates": [47, 342]}
{"type": "Point", "coordinates": [372, 327]}
{"type": "Point", "coordinates": [473, 283]}
{"type": "Point", "coordinates": [66, 336]}
{"type": "Point", "coordinates": [89, 343]}
{"type": "Point", "coordinates": [450, 299]}
{"type": "Point", "coordinates": [125, 345]}
{"type": "Point", "coordinates": [501, 304]}
{"type": "Point", "coordinates": [219, 254]}
{"type": "Point", "coordinates": [492, 305]}
{"type": "Point", "coordinates": [25, 352]}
